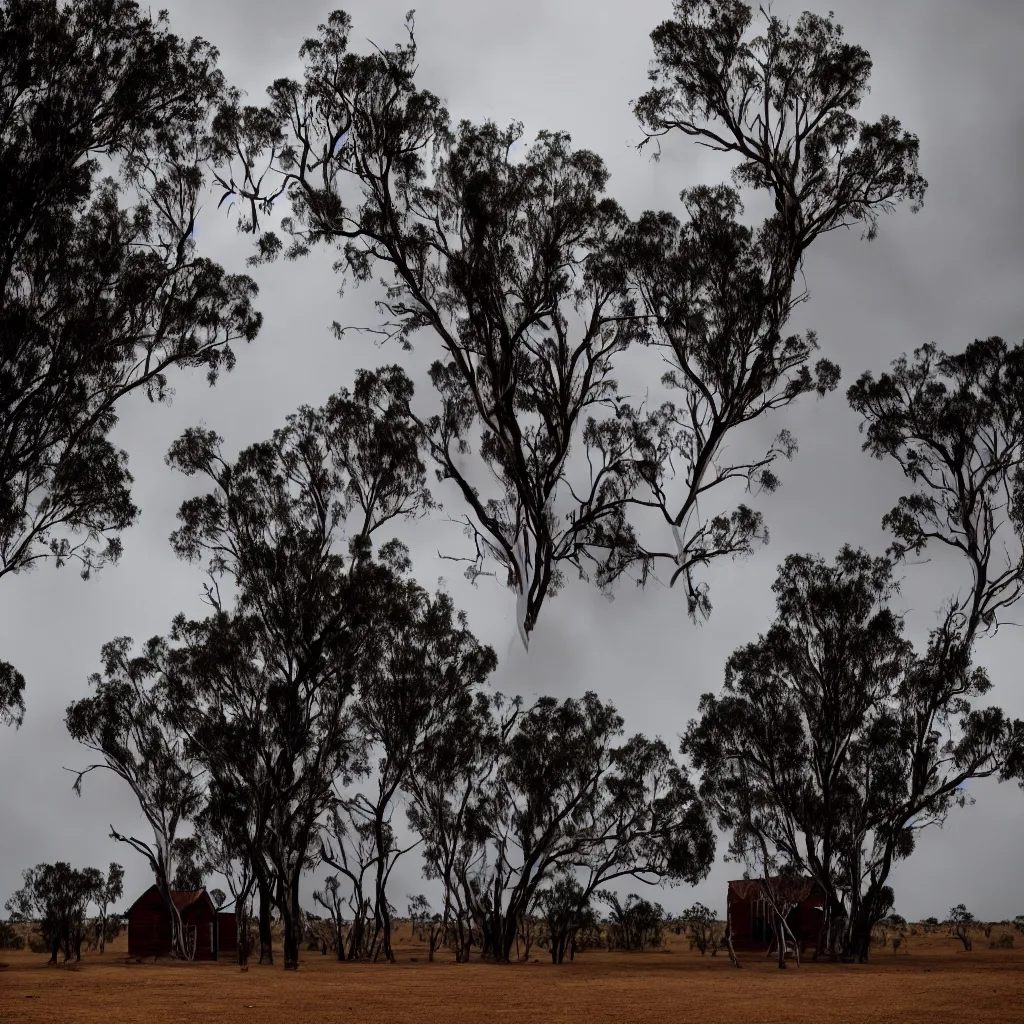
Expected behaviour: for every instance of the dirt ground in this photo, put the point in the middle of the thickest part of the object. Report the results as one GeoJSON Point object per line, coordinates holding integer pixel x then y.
{"type": "Point", "coordinates": [935, 981]}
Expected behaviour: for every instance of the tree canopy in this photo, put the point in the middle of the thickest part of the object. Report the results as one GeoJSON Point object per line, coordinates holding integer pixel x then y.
{"type": "Point", "coordinates": [533, 282]}
{"type": "Point", "coordinates": [103, 146]}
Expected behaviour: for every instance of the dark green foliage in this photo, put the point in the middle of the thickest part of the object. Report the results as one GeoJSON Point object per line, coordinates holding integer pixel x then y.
{"type": "Point", "coordinates": [190, 870]}
{"type": "Point", "coordinates": [782, 101]}
{"type": "Point", "coordinates": [230, 843]}
{"type": "Point", "coordinates": [961, 923]}
{"type": "Point", "coordinates": [702, 929]}
{"type": "Point", "coordinates": [707, 286]}
{"type": "Point", "coordinates": [264, 688]}
{"type": "Point", "coordinates": [509, 263]}
{"type": "Point", "coordinates": [560, 792]}
{"type": "Point", "coordinates": [128, 723]}
{"type": "Point", "coordinates": [532, 282]}
{"type": "Point", "coordinates": [955, 426]}
{"type": "Point", "coordinates": [12, 695]}
{"type": "Point", "coordinates": [102, 293]}
{"type": "Point", "coordinates": [568, 914]}
{"type": "Point", "coordinates": [718, 294]}
{"type": "Point", "coordinates": [58, 896]}
{"type": "Point", "coordinates": [423, 685]}
{"type": "Point", "coordinates": [107, 926]}
{"type": "Point", "coordinates": [442, 795]}
{"type": "Point", "coordinates": [825, 752]}
{"type": "Point", "coordinates": [634, 924]}
{"type": "Point", "coordinates": [10, 937]}
{"type": "Point", "coordinates": [890, 930]}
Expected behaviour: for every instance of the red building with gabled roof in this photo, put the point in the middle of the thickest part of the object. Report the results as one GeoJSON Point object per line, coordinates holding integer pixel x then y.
{"type": "Point", "coordinates": [750, 914]}
{"type": "Point", "coordinates": [149, 924]}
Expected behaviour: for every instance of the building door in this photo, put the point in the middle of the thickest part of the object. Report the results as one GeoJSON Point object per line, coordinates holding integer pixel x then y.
{"type": "Point", "coordinates": [760, 929]}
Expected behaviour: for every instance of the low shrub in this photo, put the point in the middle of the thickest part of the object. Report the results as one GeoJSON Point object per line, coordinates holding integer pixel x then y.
{"type": "Point", "coordinates": [10, 937]}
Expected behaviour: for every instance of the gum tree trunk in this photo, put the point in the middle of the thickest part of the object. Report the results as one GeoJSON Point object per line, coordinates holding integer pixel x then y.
{"type": "Point", "coordinates": [292, 914]}
{"type": "Point", "coordinates": [266, 936]}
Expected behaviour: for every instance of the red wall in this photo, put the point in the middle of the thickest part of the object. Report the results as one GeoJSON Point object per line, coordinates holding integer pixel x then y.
{"type": "Point", "coordinates": [804, 920]}
{"type": "Point", "coordinates": [149, 926]}
{"type": "Point", "coordinates": [201, 916]}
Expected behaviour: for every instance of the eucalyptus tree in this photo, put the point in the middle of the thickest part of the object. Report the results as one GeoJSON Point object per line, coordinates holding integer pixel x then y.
{"type": "Point", "coordinates": [218, 690]}
{"type": "Point", "coordinates": [533, 282]}
{"type": "Point", "coordinates": [58, 897]}
{"type": "Point", "coordinates": [567, 912]}
{"type": "Point", "coordinates": [331, 898]}
{"type": "Point", "coordinates": [562, 795]}
{"type": "Point", "coordinates": [443, 790]}
{"type": "Point", "coordinates": [702, 929]}
{"type": "Point", "coordinates": [230, 848]}
{"type": "Point", "coordinates": [634, 923]}
{"type": "Point", "coordinates": [108, 890]}
{"type": "Point", "coordinates": [960, 923]}
{"type": "Point", "coordinates": [954, 423]}
{"type": "Point", "coordinates": [833, 744]}
{"type": "Point", "coordinates": [505, 254]}
{"type": "Point", "coordinates": [647, 822]}
{"type": "Point", "coordinates": [104, 142]}
{"type": "Point", "coordinates": [288, 525]}
{"type": "Point", "coordinates": [420, 688]}
{"type": "Point", "coordinates": [127, 723]}
{"type": "Point", "coordinates": [718, 294]}
{"type": "Point", "coordinates": [349, 843]}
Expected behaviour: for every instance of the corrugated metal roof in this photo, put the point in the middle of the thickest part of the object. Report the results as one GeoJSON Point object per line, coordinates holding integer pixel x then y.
{"type": "Point", "coordinates": [185, 898]}
{"type": "Point", "coordinates": [794, 889]}
{"type": "Point", "coordinates": [182, 898]}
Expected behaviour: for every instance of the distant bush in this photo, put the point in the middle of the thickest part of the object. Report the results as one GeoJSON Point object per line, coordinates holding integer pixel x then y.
{"type": "Point", "coordinates": [703, 929]}
{"type": "Point", "coordinates": [1005, 941]}
{"type": "Point", "coordinates": [889, 928]}
{"type": "Point", "coordinates": [635, 924]}
{"type": "Point", "coordinates": [960, 923]}
{"type": "Point", "coordinates": [10, 937]}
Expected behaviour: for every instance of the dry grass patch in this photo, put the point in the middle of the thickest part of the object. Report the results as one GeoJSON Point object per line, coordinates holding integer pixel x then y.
{"type": "Point", "coordinates": [932, 982]}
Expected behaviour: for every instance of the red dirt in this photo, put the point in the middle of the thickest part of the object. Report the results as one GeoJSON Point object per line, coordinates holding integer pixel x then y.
{"type": "Point", "coordinates": [935, 982]}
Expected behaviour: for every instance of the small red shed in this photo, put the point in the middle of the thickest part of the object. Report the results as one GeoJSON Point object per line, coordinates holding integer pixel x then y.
{"type": "Point", "coordinates": [149, 924]}
{"type": "Point", "coordinates": [750, 913]}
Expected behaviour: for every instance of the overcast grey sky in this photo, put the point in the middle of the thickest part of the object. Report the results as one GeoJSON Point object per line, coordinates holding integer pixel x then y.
{"type": "Point", "coordinates": [950, 70]}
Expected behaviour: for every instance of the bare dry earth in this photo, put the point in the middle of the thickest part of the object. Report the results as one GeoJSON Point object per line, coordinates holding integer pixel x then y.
{"type": "Point", "coordinates": [933, 982]}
